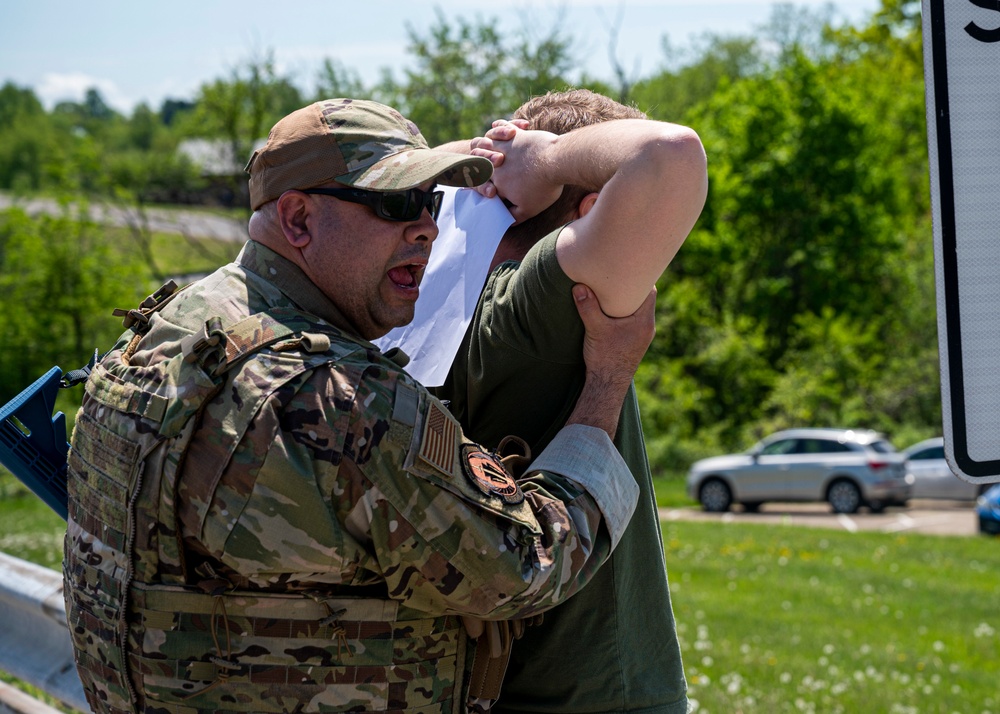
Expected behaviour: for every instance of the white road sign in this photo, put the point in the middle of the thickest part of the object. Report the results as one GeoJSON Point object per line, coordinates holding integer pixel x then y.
{"type": "Point", "coordinates": [961, 69]}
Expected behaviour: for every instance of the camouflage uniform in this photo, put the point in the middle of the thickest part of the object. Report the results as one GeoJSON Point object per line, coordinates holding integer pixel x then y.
{"type": "Point", "coordinates": [268, 515]}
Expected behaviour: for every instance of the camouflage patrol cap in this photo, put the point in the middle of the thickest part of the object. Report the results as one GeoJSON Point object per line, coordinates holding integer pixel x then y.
{"type": "Point", "coordinates": [357, 143]}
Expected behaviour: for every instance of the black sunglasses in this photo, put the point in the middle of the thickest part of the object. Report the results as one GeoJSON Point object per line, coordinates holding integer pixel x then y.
{"type": "Point", "coordinates": [392, 206]}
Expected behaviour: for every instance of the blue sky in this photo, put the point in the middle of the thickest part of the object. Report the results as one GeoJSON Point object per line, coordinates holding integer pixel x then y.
{"type": "Point", "coordinates": [134, 50]}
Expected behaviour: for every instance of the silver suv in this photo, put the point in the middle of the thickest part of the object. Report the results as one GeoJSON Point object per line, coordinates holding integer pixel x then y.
{"type": "Point", "coordinates": [846, 467]}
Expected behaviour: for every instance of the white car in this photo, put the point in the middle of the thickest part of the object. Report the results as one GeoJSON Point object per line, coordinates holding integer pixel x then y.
{"type": "Point", "coordinates": [848, 468]}
{"type": "Point", "coordinates": [932, 478]}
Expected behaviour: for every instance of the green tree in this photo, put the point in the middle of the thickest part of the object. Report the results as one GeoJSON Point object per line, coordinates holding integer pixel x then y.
{"type": "Point", "coordinates": [812, 256]}
{"type": "Point", "coordinates": [882, 65]}
{"type": "Point", "coordinates": [795, 30]}
{"type": "Point", "coordinates": [92, 117]}
{"type": "Point", "coordinates": [717, 62]}
{"type": "Point", "coordinates": [337, 80]}
{"type": "Point", "coordinates": [30, 146]}
{"type": "Point", "coordinates": [803, 295]}
{"type": "Point", "coordinates": [468, 73]}
{"type": "Point", "coordinates": [172, 109]}
{"type": "Point", "coordinates": [712, 61]}
{"type": "Point", "coordinates": [33, 154]}
{"type": "Point", "coordinates": [60, 277]}
{"type": "Point", "coordinates": [143, 126]}
{"type": "Point", "coordinates": [94, 106]}
{"type": "Point", "coordinates": [241, 110]}
{"type": "Point", "coordinates": [801, 210]}
{"type": "Point", "coordinates": [17, 102]}
{"type": "Point", "coordinates": [704, 379]}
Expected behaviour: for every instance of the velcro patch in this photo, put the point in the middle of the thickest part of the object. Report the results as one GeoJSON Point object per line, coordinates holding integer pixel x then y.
{"type": "Point", "coordinates": [404, 407]}
{"type": "Point", "coordinates": [486, 471]}
{"type": "Point", "coordinates": [440, 438]}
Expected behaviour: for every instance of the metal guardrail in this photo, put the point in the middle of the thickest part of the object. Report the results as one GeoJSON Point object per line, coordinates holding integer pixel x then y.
{"type": "Point", "coordinates": [34, 638]}
{"type": "Point", "coordinates": [14, 701]}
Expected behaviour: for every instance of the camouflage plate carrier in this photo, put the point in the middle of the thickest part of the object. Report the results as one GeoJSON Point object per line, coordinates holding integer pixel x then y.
{"type": "Point", "coordinates": [150, 636]}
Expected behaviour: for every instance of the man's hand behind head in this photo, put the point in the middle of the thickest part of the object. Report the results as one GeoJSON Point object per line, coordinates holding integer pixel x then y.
{"type": "Point", "coordinates": [518, 179]}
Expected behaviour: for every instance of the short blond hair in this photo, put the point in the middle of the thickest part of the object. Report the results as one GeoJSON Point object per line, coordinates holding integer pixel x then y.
{"type": "Point", "coordinates": [562, 112]}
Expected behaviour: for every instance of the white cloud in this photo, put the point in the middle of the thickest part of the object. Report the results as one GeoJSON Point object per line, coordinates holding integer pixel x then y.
{"type": "Point", "coordinates": [72, 86]}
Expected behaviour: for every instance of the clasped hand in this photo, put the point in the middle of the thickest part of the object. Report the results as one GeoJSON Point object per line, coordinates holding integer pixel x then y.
{"type": "Point", "coordinates": [521, 167]}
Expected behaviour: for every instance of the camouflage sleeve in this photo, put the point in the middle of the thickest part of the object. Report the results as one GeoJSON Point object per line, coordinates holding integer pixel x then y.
{"type": "Point", "coordinates": [587, 455]}
{"type": "Point", "coordinates": [356, 476]}
{"type": "Point", "coordinates": [450, 528]}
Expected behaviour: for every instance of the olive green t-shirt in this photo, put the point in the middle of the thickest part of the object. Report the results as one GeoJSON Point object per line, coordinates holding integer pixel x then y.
{"type": "Point", "coordinates": [613, 646]}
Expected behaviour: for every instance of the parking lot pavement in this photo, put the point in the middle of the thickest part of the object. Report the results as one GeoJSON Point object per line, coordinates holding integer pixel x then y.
{"type": "Point", "coordinates": [920, 516]}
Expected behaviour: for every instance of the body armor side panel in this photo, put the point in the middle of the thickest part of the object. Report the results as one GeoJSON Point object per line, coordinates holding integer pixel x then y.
{"type": "Point", "coordinates": [151, 636]}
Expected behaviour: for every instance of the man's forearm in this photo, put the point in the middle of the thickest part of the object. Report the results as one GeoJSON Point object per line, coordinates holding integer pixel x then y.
{"type": "Point", "coordinates": [592, 155]}
{"type": "Point", "coordinates": [600, 402]}
{"type": "Point", "coordinates": [612, 350]}
{"type": "Point", "coordinates": [455, 147]}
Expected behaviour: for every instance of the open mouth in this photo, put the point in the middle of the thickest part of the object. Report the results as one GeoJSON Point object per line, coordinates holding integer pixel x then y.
{"type": "Point", "coordinates": [406, 276]}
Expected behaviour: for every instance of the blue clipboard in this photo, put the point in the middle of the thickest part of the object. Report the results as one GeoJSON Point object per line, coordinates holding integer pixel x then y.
{"type": "Point", "coordinates": [33, 443]}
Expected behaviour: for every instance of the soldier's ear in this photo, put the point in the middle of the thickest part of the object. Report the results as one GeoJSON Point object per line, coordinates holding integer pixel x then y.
{"type": "Point", "coordinates": [586, 203]}
{"type": "Point", "coordinates": [293, 214]}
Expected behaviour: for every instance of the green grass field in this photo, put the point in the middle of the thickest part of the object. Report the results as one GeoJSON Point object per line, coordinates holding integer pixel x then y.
{"type": "Point", "coordinates": [670, 491]}
{"type": "Point", "coordinates": [183, 256]}
{"type": "Point", "coordinates": [780, 618]}
{"type": "Point", "coordinates": [786, 619]}
{"type": "Point", "coordinates": [28, 528]}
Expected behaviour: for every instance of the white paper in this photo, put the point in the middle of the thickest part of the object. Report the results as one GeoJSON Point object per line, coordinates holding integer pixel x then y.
{"type": "Point", "coordinates": [469, 230]}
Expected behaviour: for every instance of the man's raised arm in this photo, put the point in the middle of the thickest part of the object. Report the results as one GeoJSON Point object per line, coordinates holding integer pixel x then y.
{"type": "Point", "coordinates": [652, 181]}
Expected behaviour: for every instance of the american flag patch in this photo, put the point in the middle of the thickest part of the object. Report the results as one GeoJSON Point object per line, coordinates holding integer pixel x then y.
{"type": "Point", "coordinates": [439, 444]}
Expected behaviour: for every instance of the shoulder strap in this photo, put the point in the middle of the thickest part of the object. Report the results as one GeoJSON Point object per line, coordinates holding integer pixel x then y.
{"type": "Point", "coordinates": [257, 376]}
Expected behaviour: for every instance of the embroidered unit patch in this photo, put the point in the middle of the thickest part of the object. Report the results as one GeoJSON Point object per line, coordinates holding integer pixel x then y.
{"type": "Point", "coordinates": [440, 438]}
{"type": "Point", "coordinates": [488, 474]}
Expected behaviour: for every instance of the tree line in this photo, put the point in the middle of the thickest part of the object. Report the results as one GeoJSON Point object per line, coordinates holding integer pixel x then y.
{"type": "Point", "coordinates": [804, 296]}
